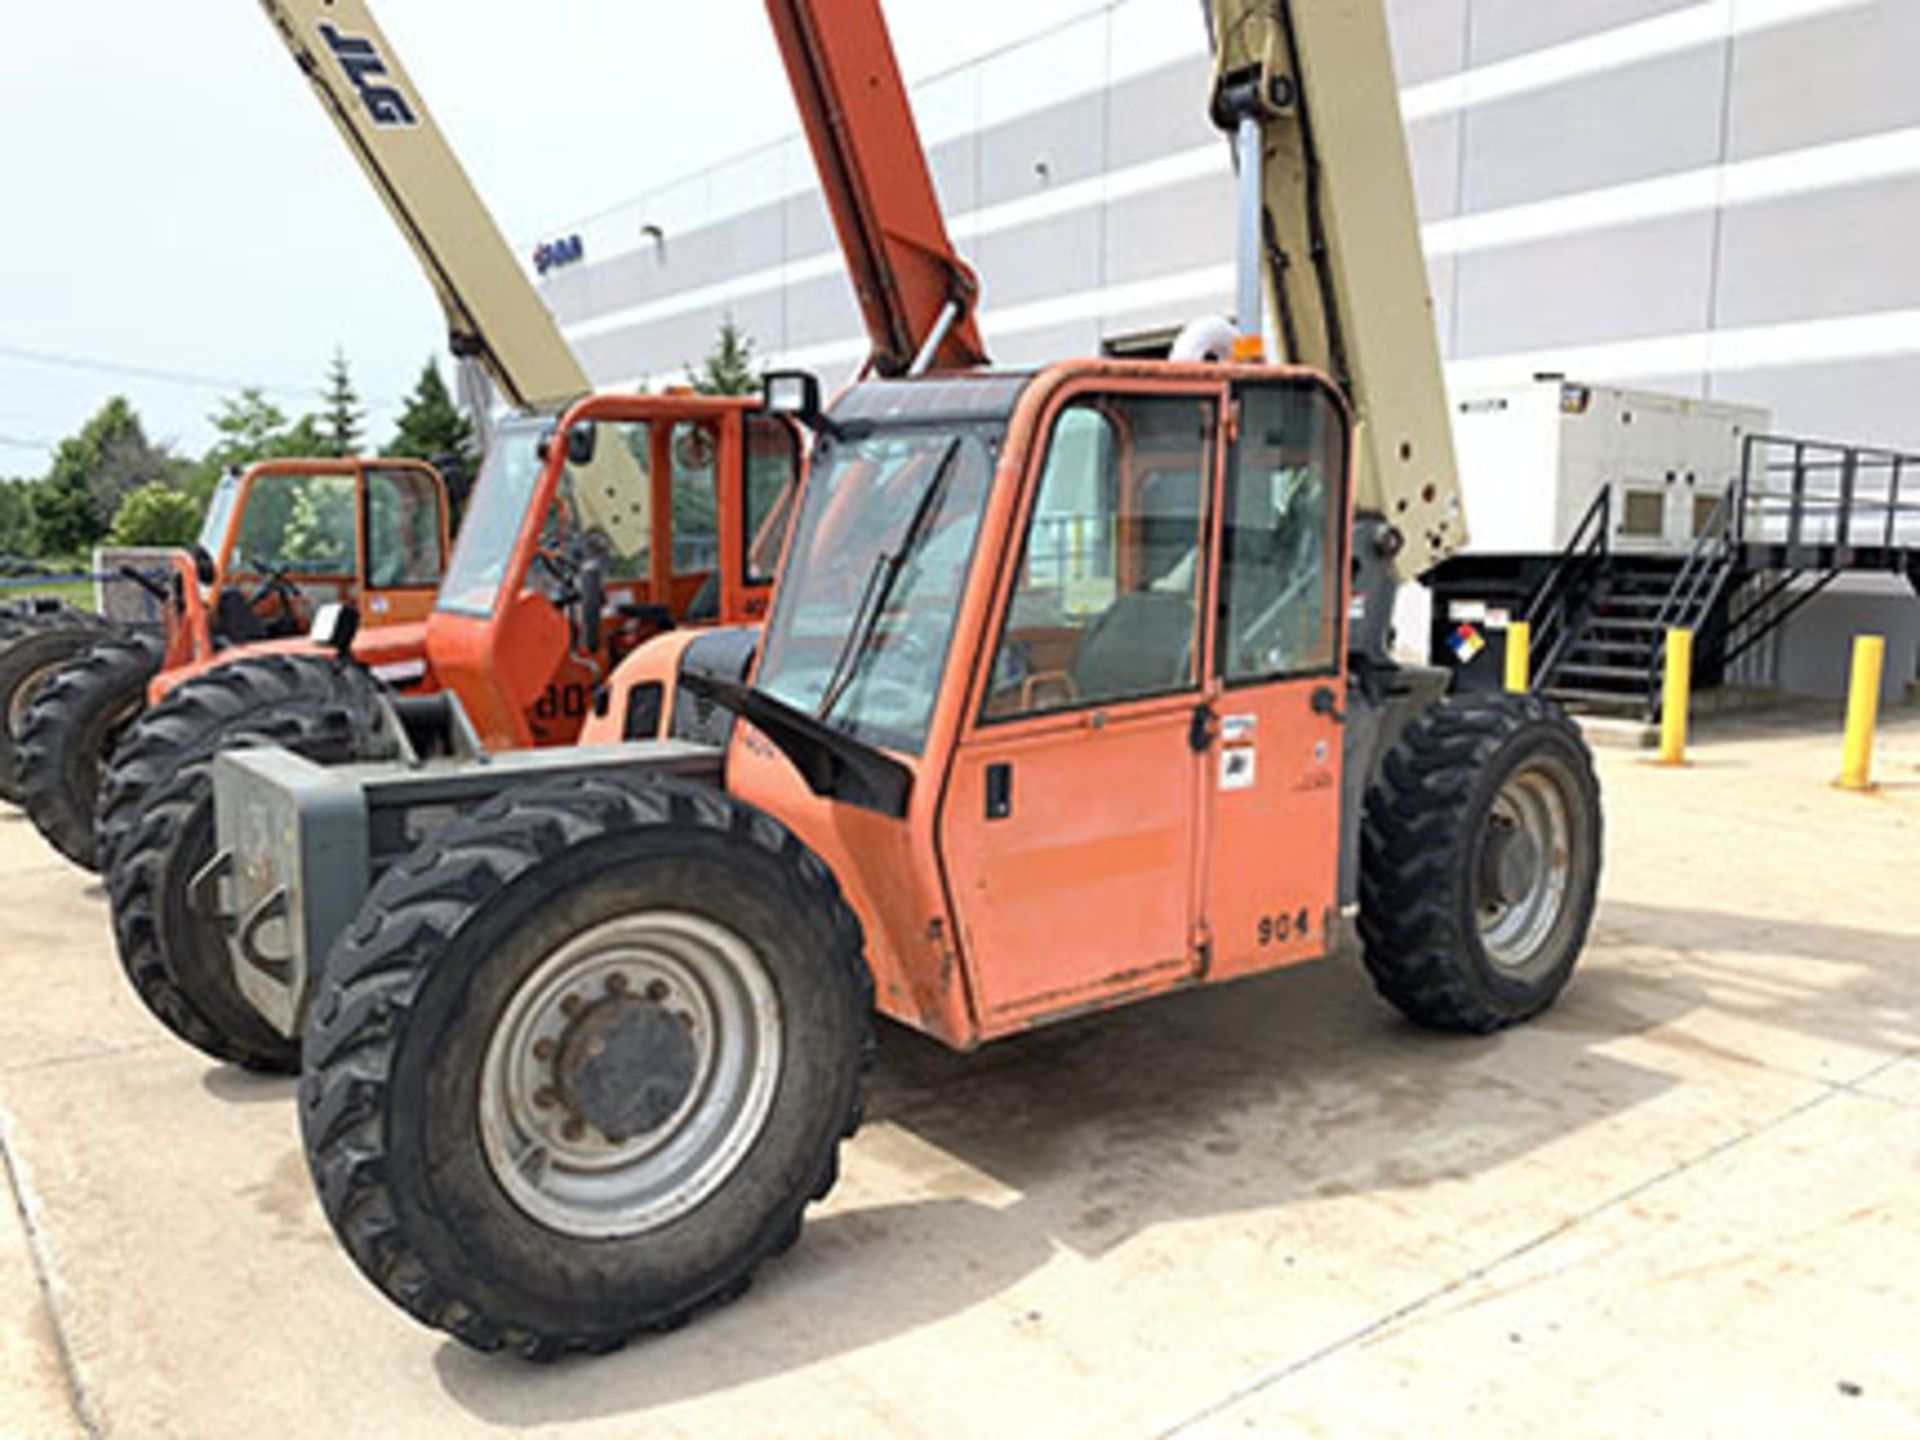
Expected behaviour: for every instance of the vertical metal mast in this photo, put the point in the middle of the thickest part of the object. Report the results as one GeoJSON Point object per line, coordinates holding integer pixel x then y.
{"type": "Point", "coordinates": [1307, 90]}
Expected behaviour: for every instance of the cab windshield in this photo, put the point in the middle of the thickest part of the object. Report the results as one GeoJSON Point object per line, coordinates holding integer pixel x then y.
{"type": "Point", "coordinates": [491, 527]}
{"type": "Point", "coordinates": [865, 612]}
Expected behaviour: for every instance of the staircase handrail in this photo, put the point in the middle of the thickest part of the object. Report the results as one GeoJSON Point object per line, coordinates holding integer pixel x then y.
{"type": "Point", "coordinates": [1546, 612]}
{"type": "Point", "coordinates": [1697, 586]}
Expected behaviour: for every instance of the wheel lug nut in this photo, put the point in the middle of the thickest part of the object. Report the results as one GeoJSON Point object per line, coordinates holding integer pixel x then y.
{"type": "Point", "coordinates": [574, 1128]}
{"type": "Point", "coordinates": [544, 1050]}
{"type": "Point", "coordinates": [685, 1017]}
{"type": "Point", "coordinates": [656, 991]}
{"type": "Point", "coordinates": [616, 984]}
{"type": "Point", "coordinates": [570, 1006]}
{"type": "Point", "coordinates": [545, 1098]}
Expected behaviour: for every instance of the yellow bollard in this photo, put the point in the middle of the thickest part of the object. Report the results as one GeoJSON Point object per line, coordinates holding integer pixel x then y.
{"type": "Point", "coordinates": [1863, 712]}
{"type": "Point", "coordinates": [1519, 657]}
{"type": "Point", "coordinates": [1676, 698]}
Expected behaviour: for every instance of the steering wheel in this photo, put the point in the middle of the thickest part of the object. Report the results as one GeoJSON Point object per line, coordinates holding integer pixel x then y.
{"type": "Point", "coordinates": [564, 569]}
{"type": "Point", "coordinates": [274, 585]}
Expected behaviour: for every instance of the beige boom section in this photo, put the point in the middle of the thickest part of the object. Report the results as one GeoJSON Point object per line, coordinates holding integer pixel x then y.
{"type": "Point", "coordinates": [494, 316]}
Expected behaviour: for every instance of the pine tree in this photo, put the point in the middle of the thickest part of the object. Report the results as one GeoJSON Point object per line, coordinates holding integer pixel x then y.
{"type": "Point", "coordinates": [431, 426]}
{"type": "Point", "coordinates": [729, 367]}
{"type": "Point", "coordinates": [342, 422]}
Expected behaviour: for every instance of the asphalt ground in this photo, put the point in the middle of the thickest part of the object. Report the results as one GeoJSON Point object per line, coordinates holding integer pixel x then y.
{"type": "Point", "coordinates": [1686, 1202]}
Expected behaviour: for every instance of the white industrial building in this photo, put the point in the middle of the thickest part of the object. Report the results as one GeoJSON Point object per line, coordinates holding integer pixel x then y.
{"type": "Point", "coordinates": [1711, 199]}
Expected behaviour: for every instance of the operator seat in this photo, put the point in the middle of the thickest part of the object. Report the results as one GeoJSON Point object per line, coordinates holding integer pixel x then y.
{"type": "Point", "coordinates": [1142, 645]}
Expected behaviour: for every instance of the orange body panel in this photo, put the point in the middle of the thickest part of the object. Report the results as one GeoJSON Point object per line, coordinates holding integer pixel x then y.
{"type": "Point", "coordinates": [656, 662]}
{"type": "Point", "coordinates": [1133, 861]}
{"type": "Point", "coordinates": [1086, 886]}
{"type": "Point", "coordinates": [397, 654]}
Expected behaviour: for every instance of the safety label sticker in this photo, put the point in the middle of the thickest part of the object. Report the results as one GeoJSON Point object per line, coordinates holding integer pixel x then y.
{"type": "Point", "coordinates": [1236, 767]}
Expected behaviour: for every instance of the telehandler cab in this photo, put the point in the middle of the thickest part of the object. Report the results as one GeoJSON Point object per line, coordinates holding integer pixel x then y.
{"type": "Point", "coordinates": [1076, 690]}
{"type": "Point", "coordinates": [277, 541]}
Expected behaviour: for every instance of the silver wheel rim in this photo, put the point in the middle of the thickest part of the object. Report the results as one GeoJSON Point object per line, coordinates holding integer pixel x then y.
{"type": "Point", "coordinates": [1524, 871]}
{"type": "Point", "coordinates": [553, 1163]}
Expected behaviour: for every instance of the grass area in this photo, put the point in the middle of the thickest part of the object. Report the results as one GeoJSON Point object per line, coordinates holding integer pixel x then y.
{"type": "Point", "coordinates": [74, 592]}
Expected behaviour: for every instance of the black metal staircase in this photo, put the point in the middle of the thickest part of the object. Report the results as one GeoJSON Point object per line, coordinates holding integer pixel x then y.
{"type": "Point", "coordinates": [1801, 514]}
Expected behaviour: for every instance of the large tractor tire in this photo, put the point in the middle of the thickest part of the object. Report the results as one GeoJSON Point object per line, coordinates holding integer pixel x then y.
{"type": "Point", "coordinates": [155, 831]}
{"type": "Point", "coordinates": [1480, 862]}
{"type": "Point", "coordinates": [70, 733]}
{"type": "Point", "coordinates": [36, 643]}
{"type": "Point", "coordinates": [583, 1062]}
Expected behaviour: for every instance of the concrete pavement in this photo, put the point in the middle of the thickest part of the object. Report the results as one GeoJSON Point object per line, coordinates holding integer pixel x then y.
{"type": "Point", "coordinates": [1687, 1202]}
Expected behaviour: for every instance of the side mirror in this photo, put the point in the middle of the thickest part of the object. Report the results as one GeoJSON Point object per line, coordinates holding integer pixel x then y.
{"type": "Point", "coordinates": [334, 626]}
{"type": "Point", "coordinates": [581, 443]}
{"type": "Point", "coordinates": [203, 567]}
{"type": "Point", "coordinates": [593, 603]}
{"type": "Point", "coordinates": [794, 394]}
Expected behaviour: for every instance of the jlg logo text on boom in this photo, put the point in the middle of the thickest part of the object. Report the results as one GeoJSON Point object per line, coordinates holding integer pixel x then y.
{"type": "Point", "coordinates": [366, 68]}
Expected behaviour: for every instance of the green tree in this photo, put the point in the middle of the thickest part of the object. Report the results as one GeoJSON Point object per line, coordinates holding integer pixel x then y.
{"type": "Point", "coordinates": [92, 472]}
{"type": "Point", "coordinates": [252, 428]}
{"type": "Point", "coordinates": [16, 517]}
{"type": "Point", "coordinates": [156, 514]}
{"type": "Point", "coordinates": [342, 422]}
{"type": "Point", "coordinates": [729, 368]}
{"type": "Point", "coordinates": [431, 425]}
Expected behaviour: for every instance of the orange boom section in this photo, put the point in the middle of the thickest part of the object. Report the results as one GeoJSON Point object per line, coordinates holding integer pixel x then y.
{"type": "Point", "coordinates": [916, 294]}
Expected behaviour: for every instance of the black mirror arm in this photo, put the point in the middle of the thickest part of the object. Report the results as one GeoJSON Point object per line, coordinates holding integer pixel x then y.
{"type": "Point", "coordinates": [834, 765]}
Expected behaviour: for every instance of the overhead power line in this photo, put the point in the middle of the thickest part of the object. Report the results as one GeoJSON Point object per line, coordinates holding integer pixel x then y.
{"type": "Point", "coordinates": [187, 378]}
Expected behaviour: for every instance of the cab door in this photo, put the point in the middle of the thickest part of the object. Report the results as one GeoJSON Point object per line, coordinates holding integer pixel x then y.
{"type": "Point", "coordinates": [1272, 792]}
{"type": "Point", "coordinates": [1071, 823]}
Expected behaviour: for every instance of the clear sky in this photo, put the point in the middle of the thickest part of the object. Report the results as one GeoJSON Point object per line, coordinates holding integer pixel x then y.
{"type": "Point", "coordinates": [176, 203]}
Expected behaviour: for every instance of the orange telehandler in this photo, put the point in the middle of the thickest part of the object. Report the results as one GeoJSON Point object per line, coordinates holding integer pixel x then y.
{"type": "Point", "coordinates": [1076, 690]}
{"type": "Point", "coordinates": [571, 553]}
{"type": "Point", "coordinates": [277, 540]}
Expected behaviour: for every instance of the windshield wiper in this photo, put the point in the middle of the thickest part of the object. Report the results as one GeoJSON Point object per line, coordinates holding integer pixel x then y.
{"type": "Point", "coordinates": [880, 582]}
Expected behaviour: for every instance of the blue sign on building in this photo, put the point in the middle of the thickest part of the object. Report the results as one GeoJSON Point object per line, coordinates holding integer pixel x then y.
{"type": "Point", "coordinates": [570, 250]}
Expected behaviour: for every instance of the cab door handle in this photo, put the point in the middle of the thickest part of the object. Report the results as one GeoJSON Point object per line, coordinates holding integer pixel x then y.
{"type": "Point", "coordinates": [999, 791]}
{"type": "Point", "coordinates": [1200, 730]}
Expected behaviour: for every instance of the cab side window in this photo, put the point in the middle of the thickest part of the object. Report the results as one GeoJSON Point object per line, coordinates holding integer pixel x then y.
{"type": "Point", "coordinates": [403, 530]}
{"type": "Point", "coordinates": [773, 470]}
{"type": "Point", "coordinates": [303, 524]}
{"type": "Point", "coordinates": [1106, 601]}
{"type": "Point", "coordinates": [1284, 527]}
{"type": "Point", "coordinates": [696, 503]}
